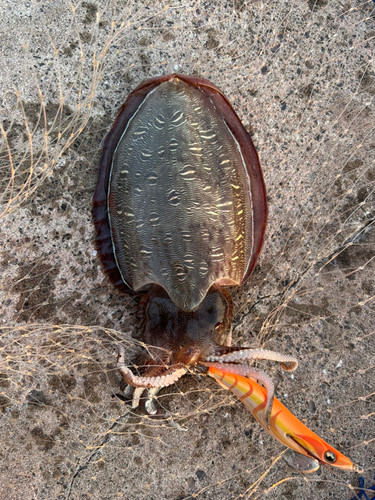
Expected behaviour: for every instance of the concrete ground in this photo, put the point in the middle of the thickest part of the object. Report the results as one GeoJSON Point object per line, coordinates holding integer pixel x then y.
{"type": "Point", "coordinates": [301, 76]}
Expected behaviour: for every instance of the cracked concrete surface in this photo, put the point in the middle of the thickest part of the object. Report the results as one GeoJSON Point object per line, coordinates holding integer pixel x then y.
{"type": "Point", "coordinates": [301, 76]}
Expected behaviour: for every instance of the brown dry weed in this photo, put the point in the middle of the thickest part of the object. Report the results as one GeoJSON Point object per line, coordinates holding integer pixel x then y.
{"type": "Point", "coordinates": [301, 75]}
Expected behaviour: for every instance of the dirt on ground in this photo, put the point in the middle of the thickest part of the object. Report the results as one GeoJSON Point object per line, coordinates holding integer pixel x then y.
{"type": "Point", "coordinates": [301, 76]}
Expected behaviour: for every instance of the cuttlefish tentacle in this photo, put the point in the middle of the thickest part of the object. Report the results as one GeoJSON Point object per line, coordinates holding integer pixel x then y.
{"type": "Point", "coordinates": [229, 359]}
{"type": "Point", "coordinates": [169, 376]}
{"type": "Point", "coordinates": [289, 363]}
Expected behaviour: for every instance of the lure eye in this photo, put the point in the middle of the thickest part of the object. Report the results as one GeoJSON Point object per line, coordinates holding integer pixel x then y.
{"type": "Point", "coordinates": [330, 457]}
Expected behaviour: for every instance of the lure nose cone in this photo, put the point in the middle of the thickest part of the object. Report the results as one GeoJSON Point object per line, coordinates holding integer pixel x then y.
{"type": "Point", "coordinates": [340, 461]}
{"type": "Point", "coordinates": [307, 464]}
{"type": "Point", "coordinates": [319, 450]}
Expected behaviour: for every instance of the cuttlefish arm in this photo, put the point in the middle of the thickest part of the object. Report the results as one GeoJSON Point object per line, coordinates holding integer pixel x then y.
{"type": "Point", "coordinates": [284, 426]}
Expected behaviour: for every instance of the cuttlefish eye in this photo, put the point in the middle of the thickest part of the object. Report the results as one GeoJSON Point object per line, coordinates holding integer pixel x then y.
{"type": "Point", "coordinates": [330, 457]}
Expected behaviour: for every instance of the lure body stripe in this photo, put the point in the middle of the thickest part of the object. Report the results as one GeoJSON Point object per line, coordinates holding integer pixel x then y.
{"type": "Point", "coordinates": [284, 426]}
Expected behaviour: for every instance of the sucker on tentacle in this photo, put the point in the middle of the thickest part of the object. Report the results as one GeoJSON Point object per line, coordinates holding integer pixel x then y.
{"type": "Point", "coordinates": [289, 363]}
{"type": "Point", "coordinates": [170, 376]}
